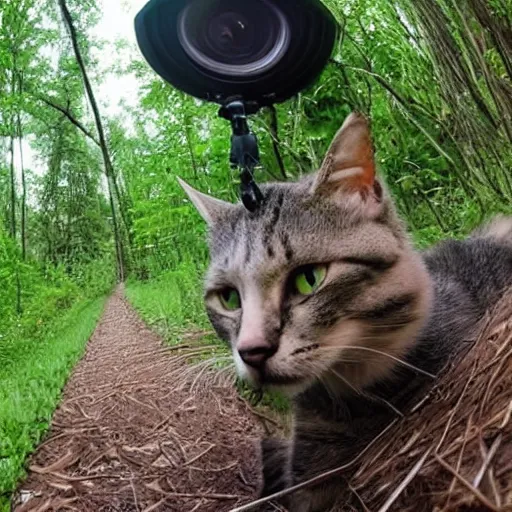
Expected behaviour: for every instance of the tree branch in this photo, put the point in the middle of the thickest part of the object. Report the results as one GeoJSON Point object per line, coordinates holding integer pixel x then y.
{"type": "Point", "coordinates": [274, 132]}
{"type": "Point", "coordinates": [71, 118]}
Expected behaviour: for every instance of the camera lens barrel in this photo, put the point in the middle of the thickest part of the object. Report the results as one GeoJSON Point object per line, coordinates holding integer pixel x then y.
{"type": "Point", "coordinates": [228, 40]}
{"type": "Point", "coordinates": [262, 51]}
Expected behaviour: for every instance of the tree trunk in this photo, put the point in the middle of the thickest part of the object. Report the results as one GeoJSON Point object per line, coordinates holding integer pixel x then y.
{"type": "Point", "coordinates": [23, 199]}
{"type": "Point", "coordinates": [12, 224]}
{"type": "Point", "coordinates": [13, 220]}
{"type": "Point", "coordinates": [121, 200]}
{"type": "Point", "coordinates": [23, 184]}
{"type": "Point", "coordinates": [101, 134]}
{"type": "Point", "coordinates": [190, 146]}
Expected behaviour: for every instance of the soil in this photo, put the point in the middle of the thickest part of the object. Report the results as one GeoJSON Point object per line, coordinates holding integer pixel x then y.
{"type": "Point", "coordinates": [130, 437]}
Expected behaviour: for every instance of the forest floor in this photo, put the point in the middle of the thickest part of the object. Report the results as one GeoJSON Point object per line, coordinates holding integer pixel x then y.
{"type": "Point", "coordinates": [130, 436]}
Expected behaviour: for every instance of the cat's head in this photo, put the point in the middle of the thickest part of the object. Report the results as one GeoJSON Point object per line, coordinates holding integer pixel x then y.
{"type": "Point", "coordinates": [321, 281]}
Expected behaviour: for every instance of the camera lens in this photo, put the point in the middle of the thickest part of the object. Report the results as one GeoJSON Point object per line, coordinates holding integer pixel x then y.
{"type": "Point", "coordinates": [233, 38]}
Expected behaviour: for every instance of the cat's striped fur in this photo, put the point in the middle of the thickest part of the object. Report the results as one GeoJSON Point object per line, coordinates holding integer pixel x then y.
{"type": "Point", "coordinates": [366, 344]}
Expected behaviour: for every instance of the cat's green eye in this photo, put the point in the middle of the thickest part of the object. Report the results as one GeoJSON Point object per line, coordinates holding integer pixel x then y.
{"type": "Point", "coordinates": [309, 279]}
{"type": "Point", "coordinates": [230, 299]}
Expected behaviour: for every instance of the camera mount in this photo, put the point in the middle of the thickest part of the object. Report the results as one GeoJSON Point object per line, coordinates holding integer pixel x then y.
{"type": "Point", "coordinates": [244, 150]}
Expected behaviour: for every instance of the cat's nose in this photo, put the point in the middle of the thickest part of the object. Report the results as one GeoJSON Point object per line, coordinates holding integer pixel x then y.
{"type": "Point", "coordinates": [257, 355]}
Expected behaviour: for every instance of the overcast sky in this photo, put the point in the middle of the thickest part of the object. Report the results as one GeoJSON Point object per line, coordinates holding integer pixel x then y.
{"type": "Point", "coordinates": [116, 24]}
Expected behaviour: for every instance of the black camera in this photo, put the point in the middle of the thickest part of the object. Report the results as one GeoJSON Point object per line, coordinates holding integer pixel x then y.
{"type": "Point", "coordinates": [261, 51]}
{"type": "Point", "coordinates": [241, 54]}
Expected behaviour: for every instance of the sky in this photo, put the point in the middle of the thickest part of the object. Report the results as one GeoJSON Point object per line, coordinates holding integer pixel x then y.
{"type": "Point", "coordinates": [116, 24]}
{"type": "Point", "coordinates": [116, 91]}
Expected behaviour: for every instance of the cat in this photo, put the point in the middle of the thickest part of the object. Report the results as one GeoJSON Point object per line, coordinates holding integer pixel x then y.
{"type": "Point", "coordinates": [320, 293]}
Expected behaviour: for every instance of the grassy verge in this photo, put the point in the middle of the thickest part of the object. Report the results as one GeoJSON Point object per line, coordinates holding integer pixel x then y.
{"type": "Point", "coordinates": [31, 387]}
{"type": "Point", "coordinates": [172, 303]}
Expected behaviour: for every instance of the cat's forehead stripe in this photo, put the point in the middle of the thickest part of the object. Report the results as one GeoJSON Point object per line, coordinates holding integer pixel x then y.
{"type": "Point", "coordinates": [274, 214]}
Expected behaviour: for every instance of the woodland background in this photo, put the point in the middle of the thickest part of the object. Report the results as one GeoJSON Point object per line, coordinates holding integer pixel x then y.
{"type": "Point", "coordinates": [103, 203]}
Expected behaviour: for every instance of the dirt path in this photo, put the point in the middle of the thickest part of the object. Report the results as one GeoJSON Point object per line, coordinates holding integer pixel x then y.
{"type": "Point", "coordinates": [127, 438]}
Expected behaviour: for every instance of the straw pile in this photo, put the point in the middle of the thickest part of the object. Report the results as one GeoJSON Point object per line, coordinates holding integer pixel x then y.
{"type": "Point", "coordinates": [453, 452]}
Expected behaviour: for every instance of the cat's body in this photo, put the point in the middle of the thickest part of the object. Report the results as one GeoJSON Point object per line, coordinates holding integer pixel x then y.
{"type": "Point", "coordinates": [320, 292]}
{"type": "Point", "coordinates": [331, 428]}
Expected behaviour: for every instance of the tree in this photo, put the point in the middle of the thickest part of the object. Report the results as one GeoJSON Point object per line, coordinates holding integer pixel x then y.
{"type": "Point", "coordinates": [109, 168]}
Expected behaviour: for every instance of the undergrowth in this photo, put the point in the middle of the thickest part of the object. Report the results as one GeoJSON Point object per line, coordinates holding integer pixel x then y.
{"type": "Point", "coordinates": [172, 302]}
{"type": "Point", "coordinates": [31, 385]}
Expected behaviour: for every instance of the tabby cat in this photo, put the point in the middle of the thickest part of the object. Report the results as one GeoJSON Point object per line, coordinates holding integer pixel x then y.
{"type": "Point", "coordinates": [320, 293]}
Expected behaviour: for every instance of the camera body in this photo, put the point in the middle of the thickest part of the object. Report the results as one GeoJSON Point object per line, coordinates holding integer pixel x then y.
{"type": "Point", "coordinates": [258, 51]}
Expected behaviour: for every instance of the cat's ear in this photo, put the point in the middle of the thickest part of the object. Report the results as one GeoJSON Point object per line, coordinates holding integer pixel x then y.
{"type": "Point", "coordinates": [209, 208]}
{"type": "Point", "coordinates": [349, 166]}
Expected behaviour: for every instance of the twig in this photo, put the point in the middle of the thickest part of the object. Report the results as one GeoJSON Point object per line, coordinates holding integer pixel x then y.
{"type": "Point", "coordinates": [71, 432]}
{"type": "Point", "coordinates": [70, 117]}
{"type": "Point", "coordinates": [487, 461]}
{"type": "Point", "coordinates": [202, 496]}
{"type": "Point", "coordinates": [196, 507]}
{"type": "Point", "coordinates": [84, 478]}
{"type": "Point", "coordinates": [261, 415]}
{"type": "Point", "coordinates": [459, 460]}
{"type": "Point", "coordinates": [466, 484]}
{"type": "Point", "coordinates": [408, 479]}
{"type": "Point", "coordinates": [274, 132]}
{"type": "Point", "coordinates": [134, 494]}
{"type": "Point", "coordinates": [455, 409]}
{"type": "Point", "coordinates": [154, 507]}
{"type": "Point", "coordinates": [166, 455]}
{"type": "Point", "coordinates": [356, 494]}
{"type": "Point", "coordinates": [215, 470]}
{"type": "Point", "coordinates": [507, 416]}
{"type": "Point", "coordinates": [188, 462]}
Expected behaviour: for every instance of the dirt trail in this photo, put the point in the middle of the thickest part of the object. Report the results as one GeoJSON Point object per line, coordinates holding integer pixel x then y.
{"type": "Point", "coordinates": [127, 438]}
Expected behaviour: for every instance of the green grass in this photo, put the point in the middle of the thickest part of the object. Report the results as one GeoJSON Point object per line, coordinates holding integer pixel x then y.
{"type": "Point", "coordinates": [171, 303]}
{"type": "Point", "coordinates": [31, 387]}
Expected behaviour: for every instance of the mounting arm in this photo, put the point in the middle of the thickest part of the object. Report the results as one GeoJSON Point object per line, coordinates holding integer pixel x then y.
{"type": "Point", "coordinates": [244, 151]}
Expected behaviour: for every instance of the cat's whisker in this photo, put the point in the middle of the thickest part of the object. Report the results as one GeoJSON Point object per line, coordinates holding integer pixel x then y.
{"type": "Point", "coordinates": [368, 396]}
{"type": "Point", "coordinates": [396, 359]}
{"type": "Point", "coordinates": [381, 353]}
{"type": "Point", "coordinates": [212, 361]}
{"type": "Point", "coordinates": [393, 326]}
{"type": "Point", "coordinates": [346, 381]}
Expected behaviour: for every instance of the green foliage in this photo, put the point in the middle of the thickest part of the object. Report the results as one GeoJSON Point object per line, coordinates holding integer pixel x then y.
{"type": "Point", "coordinates": [45, 293]}
{"type": "Point", "coordinates": [56, 248]}
{"type": "Point", "coordinates": [172, 302]}
{"type": "Point", "coordinates": [446, 166]}
{"type": "Point", "coordinates": [31, 385]}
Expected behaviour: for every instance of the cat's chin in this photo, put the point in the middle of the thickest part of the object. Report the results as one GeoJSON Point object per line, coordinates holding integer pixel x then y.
{"type": "Point", "coordinates": [287, 385]}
